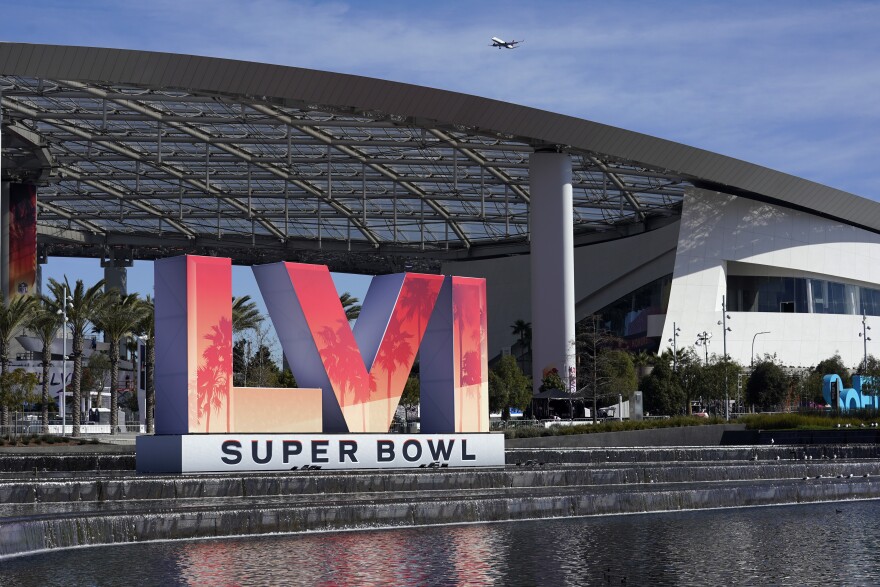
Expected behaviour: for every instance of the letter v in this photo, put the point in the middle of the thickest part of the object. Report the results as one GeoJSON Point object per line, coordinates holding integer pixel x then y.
{"type": "Point", "coordinates": [361, 373]}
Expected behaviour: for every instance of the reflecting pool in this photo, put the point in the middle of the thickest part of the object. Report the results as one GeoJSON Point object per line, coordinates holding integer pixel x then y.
{"type": "Point", "coordinates": [787, 545]}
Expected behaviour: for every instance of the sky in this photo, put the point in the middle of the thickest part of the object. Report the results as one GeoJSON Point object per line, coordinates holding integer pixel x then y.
{"type": "Point", "coordinates": [792, 86]}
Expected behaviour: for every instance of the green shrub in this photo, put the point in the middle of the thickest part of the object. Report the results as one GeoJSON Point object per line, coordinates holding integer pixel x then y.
{"type": "Point", "coordinates": [809, 420]}
{"type": "Point", "coordinates": [610, 426]}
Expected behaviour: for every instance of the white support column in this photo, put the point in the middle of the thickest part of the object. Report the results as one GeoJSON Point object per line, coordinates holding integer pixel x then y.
{"type": "Point", "coordinates": [552, 265]}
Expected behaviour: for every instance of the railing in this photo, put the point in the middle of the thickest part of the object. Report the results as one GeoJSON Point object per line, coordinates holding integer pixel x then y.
{"type": "Point", "coordinates": [29, 424]}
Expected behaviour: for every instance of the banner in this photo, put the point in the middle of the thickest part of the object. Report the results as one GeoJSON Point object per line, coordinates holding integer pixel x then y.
{"type": "Point", "coordinates": [22, 240]}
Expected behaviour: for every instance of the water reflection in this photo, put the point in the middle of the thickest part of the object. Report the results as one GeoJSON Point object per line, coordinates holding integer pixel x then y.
{"type": "Point", "coordinates": [795, 545]}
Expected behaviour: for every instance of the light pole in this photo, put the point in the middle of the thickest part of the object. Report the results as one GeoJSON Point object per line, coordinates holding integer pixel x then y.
{"type": "Point", "coordinates": [703, 339]}
{"type": "Point", "coordinates": [673, 340]}
{"type": "Point", "coordinates": [752, 361]}
{"type": "Point", "coordinates": [724, 330]}
{"type": "Point", "coordinates": [63, 311]}
{"type": "Point", "coordinates": [865, 339]}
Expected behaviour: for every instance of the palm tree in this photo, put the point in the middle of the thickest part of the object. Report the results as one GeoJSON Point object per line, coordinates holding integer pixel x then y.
{"type": "Point", "coordinates": [351, 305]}
{"type": "Point", "coordinates": [14, 314]}
{"type": "Point", "coordinates": [146, 328]}
{"type": "Point", "coordinates": [215, 374]}
{"type": "Point", "coordinates": [117, 318]}
{"type": "Point", "coordinates": [245, 315]}
{"type": "Point", "coordinates": [83, 305]}
{"type": "Point", "coordinates": [395, 351]}
{"type": "Point", "coordinates": [44, 323]}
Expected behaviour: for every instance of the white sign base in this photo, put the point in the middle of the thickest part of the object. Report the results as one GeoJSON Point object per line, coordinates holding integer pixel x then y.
{"type": "Point", "coordinates": [238, 453]}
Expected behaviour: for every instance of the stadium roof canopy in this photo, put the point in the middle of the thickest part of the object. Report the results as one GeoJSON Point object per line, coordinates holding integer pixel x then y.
{"type": "Point", "coordinates": [145, 155]}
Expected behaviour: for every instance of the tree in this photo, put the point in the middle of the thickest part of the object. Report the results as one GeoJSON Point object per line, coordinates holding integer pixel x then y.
{"type": "Point", "coordinates": [95, 376]}
{"type": "Point", "coordinates": [286, 379]}
{"type": "Point", "coordinates": [44, 324]}
{"type": "Point", "coordinates": [351, 306]}
{"type": "Point", "coordinates": [767, 386]}
{"type": "Point", "coordinates": [691, 378]}
{"type": "Point", "coordinates": [592, 339]}
{"type": "Point", "coordinates": [720, 376]}
{"type": "Point", "coordinates": [831, 366]}
{"type": "Point", "coordinates": [552, 380]}
{"type": "Point", "coordinates": [14, 314]}
{"type": "Point", "coordinates": [871, 376]}
{"type": "Point", "coordinates": [618, 368]}
{"type": "Point", "coordinates": [82, 305]}
{"type": "Point", "coordinates": [146, 328]}
{"type": "Point", "coordinates": [262, 370]}
{"type": "Point", "coordinates": [245, 315]}
{"type": "Point", "coordinates": [508, 387]}
{"type": "Point", "coordinates": [16, 389]}
{"type": "Point", "coordinates": [411, 396]}
{"type": "Point", "coordinates": [117, 318]}
{"type": "Point", "coordinates": [662, 389]}
{"type": "Point", "coordinates": [643, 361]}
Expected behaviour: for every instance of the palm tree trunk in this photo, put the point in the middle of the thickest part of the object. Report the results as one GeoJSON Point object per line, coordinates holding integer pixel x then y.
{"type": "Point", "coordinates": [151, 390]}
{"type": "Point", "coordinates": [114, 386]}
{"type": "Point", "coordinates": [47, 359]}
{"type": "Point", "coordinates": [4, 366]}
{"type": "Point", "coordinates": [77, 381]}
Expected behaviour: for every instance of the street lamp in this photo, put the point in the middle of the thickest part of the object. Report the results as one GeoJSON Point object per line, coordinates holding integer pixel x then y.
{"type": "Point", "coordinates": [703, 339]}
{"type": "Point", "coordinates": [673, 340]}
{"type": "Point", "coordinates": [65, 300]}
{"type": "Point", "coordinates": [724, 330]}
{"type": "Point", "coordinates": [752, 362]}
{"type": "Point", "coordinates": [865, 339]}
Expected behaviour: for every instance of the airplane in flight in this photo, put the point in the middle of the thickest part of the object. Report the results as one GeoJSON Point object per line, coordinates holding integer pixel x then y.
{"type": "Point", "coordinates": [496, 42]}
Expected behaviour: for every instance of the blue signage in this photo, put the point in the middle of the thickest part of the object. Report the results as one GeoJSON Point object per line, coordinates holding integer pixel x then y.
{"type": "Point", "coordinates": [850, 398]}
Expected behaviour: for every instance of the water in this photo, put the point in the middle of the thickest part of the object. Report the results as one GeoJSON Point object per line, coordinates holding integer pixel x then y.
{"type": "Point", "coordinates": [788, 545]}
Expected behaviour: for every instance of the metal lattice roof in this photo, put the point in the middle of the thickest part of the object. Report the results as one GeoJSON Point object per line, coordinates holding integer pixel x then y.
{"type": "Point", "coordinates": [142, 155]}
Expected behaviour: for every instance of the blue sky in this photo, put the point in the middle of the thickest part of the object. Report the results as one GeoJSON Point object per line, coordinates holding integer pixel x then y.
{"type": "Point", "coordinates": [788, 85]}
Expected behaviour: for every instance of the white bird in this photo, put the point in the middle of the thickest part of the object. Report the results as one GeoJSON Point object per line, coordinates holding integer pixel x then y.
{"type": "Point", "coordinates": [772, 441]}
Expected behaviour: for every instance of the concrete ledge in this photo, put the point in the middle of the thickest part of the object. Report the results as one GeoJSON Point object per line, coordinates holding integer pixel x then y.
{"type": "Point", "coordinates": [28, 535]}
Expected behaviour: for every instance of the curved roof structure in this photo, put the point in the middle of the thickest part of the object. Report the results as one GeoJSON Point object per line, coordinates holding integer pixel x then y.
{"type": "Point", "coordinates": [150, 154]}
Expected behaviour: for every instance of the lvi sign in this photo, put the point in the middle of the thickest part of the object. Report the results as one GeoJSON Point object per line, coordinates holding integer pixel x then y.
{"type": "Point", "coordinates": [351, 378]}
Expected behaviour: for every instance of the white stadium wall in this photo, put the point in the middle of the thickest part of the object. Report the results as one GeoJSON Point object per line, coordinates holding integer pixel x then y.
{"type": "Point", "coordinates": [722, 234]}
{"type": "Point", "coordinates": [604, 272]}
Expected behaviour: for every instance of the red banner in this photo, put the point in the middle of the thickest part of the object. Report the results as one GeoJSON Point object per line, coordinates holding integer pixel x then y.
{"type": "Point", "coordinates": [22, 240]}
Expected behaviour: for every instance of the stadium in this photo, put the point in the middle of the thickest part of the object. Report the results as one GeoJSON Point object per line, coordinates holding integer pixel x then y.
{"type": "Point", "coordinates": [125, 155]}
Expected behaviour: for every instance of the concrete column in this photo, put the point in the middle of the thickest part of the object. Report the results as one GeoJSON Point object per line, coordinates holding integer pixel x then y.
{"type": "Point", "coordinates": [116, 278]}
{"type": "Point", "coordinates": [552, 265]}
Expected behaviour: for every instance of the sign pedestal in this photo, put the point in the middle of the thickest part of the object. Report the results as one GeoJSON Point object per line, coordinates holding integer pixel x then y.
{"type": "Point", "coordinates": [238, 453]}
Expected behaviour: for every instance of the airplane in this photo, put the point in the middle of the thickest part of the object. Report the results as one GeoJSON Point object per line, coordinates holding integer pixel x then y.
{"type": "Point", "coordinates": [496, 42]}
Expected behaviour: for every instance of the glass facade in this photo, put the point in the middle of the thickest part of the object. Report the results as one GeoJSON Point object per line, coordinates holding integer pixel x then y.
{"type": "Point", "coordinates": [801, 295]}
{"type": "Point", "coordinates": [628, 316]}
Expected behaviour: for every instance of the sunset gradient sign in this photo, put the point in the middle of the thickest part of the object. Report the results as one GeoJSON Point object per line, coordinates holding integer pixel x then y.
{"type": "Point", "coordinates": [352, 378]}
